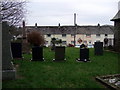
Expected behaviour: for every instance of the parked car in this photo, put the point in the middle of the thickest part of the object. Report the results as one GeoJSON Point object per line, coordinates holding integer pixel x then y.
{"type": "Point", "coordinates": [77, 46]}
{"type": "Point", "coordinates": [70, 45]}
{"type": "Point", "coordinates": [90, 46]}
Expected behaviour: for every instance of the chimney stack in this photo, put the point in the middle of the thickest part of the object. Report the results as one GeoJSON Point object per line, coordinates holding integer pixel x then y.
{"type": "Point", "coordinates": [24, 32]}
{"type": "Point", "coordinates": [23, 24]}
{"type": "Point", "coordinates": [35, 25]}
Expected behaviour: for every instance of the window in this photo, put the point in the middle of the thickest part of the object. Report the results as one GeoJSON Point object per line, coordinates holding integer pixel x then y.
{"type": "Point", "coordinates": [48, 35]}
{"type": "Point", "coordinates": [97, 35]}
{"type": "Point", "coordinates": [72, 42]}
{"type": "Point", "coordinates": [63, 35]}
{"type": "Point", "coordinates": [64, 42]}
{"type": "Point", "coordinates": [88, 35]}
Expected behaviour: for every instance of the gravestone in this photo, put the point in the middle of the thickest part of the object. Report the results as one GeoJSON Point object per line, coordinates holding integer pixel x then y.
{"type": "Point", "coordinates": [59, 53]}
{"type": "Point", "coordinates": [8, 71]}
{"type": "Point", "coordinates": [37, 53]}
{"type": "Point", "coordinates": [16, 49]}
{"type": "Point", "coordinates": [98, 48]}
{"type": "Point", "coordinates": [84, 55]}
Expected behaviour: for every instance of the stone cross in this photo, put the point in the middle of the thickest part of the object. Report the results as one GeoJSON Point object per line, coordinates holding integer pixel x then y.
{"type": "Point", "coordinates": [8, 71]}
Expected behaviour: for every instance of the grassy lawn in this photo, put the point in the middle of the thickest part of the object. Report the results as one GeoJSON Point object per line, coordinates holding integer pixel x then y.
{"type": "Point", "coordinates": [69, 74]}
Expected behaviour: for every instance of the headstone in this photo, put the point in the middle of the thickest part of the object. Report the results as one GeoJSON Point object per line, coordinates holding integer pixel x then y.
{"type": "Point", "coordinates": [16, 49]}
{"type": "Point", "coordinates": [8, 71]}
{"type": "Point", "coordinates": [84, 55]}
{"type": "Point", "coordinates": [59, 53]}
{"type": "Point", "coordinates": [37, 53]}
{"type": "Point", "coordinates": [98, 48]}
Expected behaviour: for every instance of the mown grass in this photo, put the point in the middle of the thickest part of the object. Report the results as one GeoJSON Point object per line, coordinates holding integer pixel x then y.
{"type": "Point", "coordinates": [68, 74]}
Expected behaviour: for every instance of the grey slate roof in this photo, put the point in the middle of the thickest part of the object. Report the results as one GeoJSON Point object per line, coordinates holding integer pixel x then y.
{"type": "Point", "coordinates": [71, 29]}
{"type": "Point", "coordinates": [117, 16]}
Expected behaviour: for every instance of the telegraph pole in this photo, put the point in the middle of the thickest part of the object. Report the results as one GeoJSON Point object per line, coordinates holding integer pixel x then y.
{"type": "Point", "coordinates": [75, 28]}
{"type": "Point", "coordinates": [74, 19]}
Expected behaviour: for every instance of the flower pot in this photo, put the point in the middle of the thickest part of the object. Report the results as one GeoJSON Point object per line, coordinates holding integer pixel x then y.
{"type": "Point", "coordinates": [37, 53]}
{"type": "Point", "coordinates": [59, 53]}
{"type": "Point", "coordinates": [98, 48]}
{"type": "Point", "coordinates": [16, 49]}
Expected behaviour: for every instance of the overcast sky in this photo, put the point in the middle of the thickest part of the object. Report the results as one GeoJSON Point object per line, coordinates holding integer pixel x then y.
{"type": "Point", "coordinates": [52, 12]}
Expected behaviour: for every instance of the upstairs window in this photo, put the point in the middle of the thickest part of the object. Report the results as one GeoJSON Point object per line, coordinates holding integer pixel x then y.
{"type": "Point", "coordinates": [97, 35]}
{"type": "Point", "coordinates": [63, 35]}
{"type": "Point", "coordinates": [88, 35]}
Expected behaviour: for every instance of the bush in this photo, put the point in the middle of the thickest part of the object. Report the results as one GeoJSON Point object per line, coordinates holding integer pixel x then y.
{"type": "Point", "coordinates": [35, 38]}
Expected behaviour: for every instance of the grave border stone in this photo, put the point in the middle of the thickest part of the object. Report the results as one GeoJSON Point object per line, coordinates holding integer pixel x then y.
{"type": "Point", "coordinates": [103, 80]}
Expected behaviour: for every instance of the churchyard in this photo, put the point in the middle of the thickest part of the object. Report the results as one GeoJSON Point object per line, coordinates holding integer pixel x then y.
{"type": "Point", "coordinates": [65, 74]}
{"type": "Point", "coordinates": [28, 63]}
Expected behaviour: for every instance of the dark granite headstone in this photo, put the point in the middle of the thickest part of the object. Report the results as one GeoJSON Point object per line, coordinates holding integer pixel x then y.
{"type": "Point", "coordinates": [8, 71]}
{"type": "Point", "coordinates": [37, 53]}
{"type": "Point", "coordinates": [98, 48]}
{"type": "Point", "coordinates": [16, 49]}
{"type": "Point", "coordinates": [59, 53]}
{"type": "Point", "coordinates": [84, 55]}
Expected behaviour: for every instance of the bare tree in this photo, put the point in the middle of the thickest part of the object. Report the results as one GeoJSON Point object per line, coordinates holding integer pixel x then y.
{"type": "Point", "coordinates": [12, 11]}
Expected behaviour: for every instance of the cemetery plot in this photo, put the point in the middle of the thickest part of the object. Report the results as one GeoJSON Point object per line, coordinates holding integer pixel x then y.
{"type": "Point", "coordinates": [112, 81]}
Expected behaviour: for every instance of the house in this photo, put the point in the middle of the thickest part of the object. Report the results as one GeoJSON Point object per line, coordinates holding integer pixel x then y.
{"type": "Point", "coordinates": [69, 34]}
